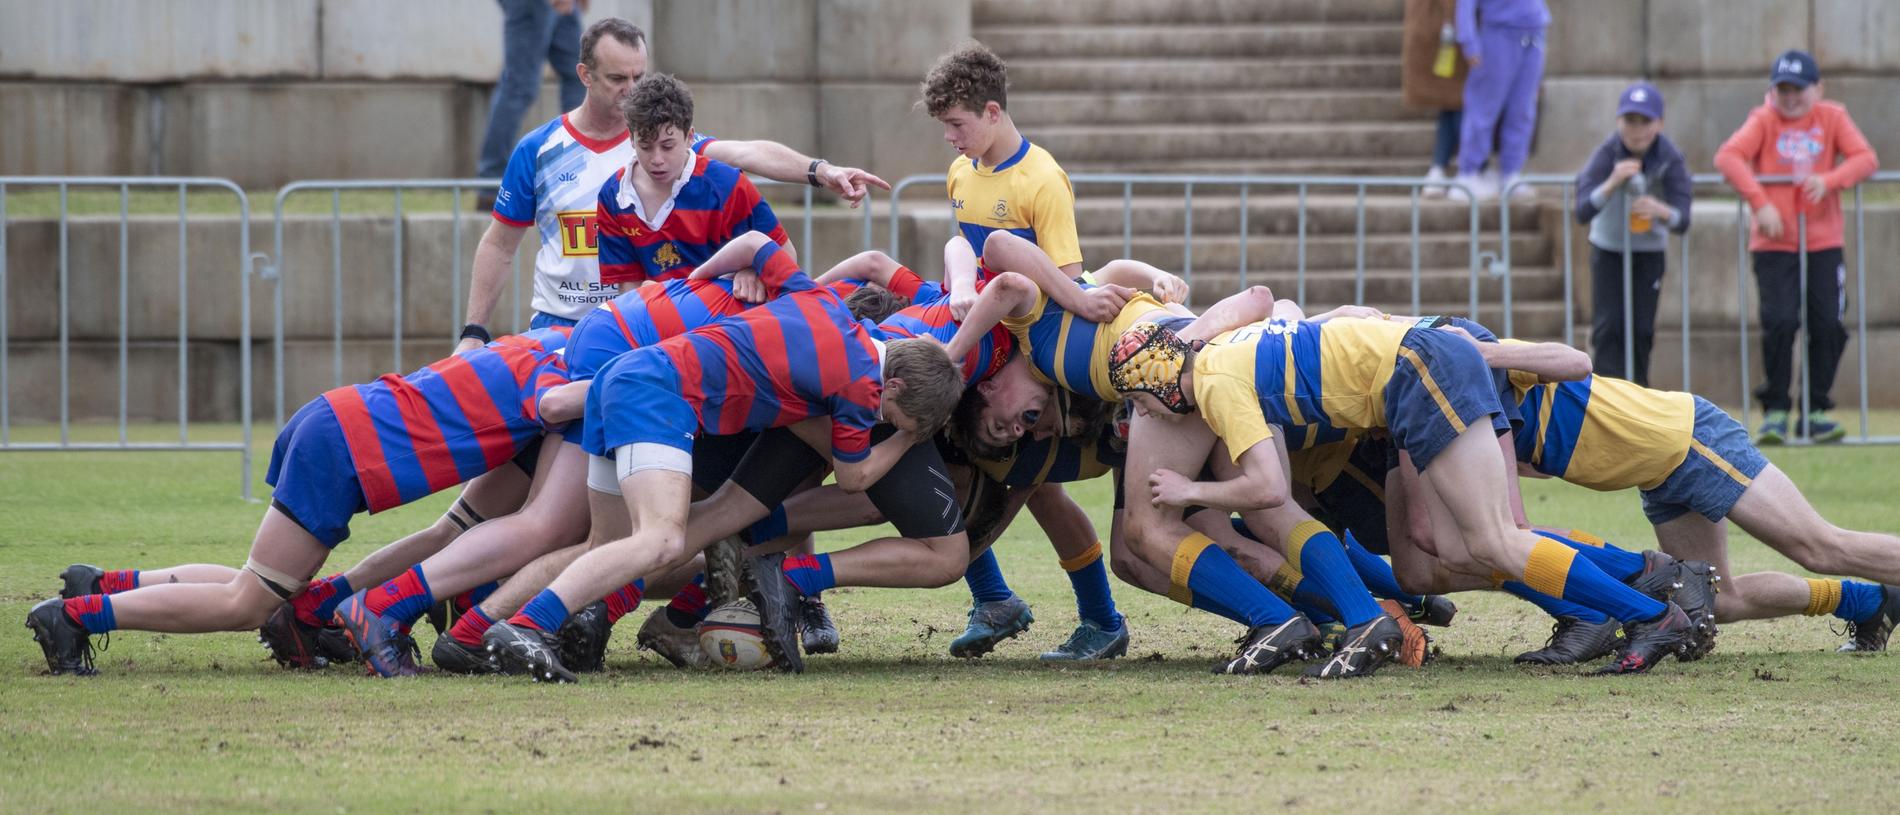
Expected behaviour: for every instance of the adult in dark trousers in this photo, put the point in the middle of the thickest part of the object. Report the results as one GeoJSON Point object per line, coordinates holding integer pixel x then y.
{"type": "Point", "coordinates": [532, 31]}
{"type": "Point", "coordinates": [1796, 134]}
{"type": "Point", "coordinates": [1633, 192]}
{"type": "Point", "coordinates": [1431, 83]}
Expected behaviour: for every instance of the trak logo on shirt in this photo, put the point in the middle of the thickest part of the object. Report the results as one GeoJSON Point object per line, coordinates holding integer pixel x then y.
{"type": "Point", "coordinates": [580, 235]}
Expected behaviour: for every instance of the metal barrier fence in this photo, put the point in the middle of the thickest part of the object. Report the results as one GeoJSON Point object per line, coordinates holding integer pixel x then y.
{"type": "Point", "coordinates": [125, 186]}
{"type": "Point", "coordinates": [1566, 185]}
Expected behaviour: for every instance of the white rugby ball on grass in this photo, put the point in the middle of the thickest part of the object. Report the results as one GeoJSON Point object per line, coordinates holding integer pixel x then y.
{"type": "Point", "coordinates": [732, 636]}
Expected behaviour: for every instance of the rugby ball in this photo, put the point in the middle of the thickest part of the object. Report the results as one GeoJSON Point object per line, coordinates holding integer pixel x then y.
{"type": "Point", "coordinates": [732, 638]}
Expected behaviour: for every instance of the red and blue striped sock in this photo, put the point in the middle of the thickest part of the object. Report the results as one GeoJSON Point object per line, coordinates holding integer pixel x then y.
{"type": "Point", "coordinates": [474, 597]}
{"type": "Point", "coordinates": [690, 605]}
{"type": "Point", "coordinates": [624, 600]}
{"type": "Point", "coordinates": [468, 628]}
{"type": "Point", "coordinates": [94, 612]}
{"type": "Point", "coordinates": [118, 580]}
{"type": "Point", "coordinates": [772, 527]}
{"type": "Point", "coordinates": [404, 599]}
{"type": "Point", "coordinates": [811, 574]}
{"type": "Point", "coordinates": [319, 600]}
{"type": "Point", "coordinates": [546, 612]}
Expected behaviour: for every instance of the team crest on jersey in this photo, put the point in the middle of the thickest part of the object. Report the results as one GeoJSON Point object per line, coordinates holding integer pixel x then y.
{"type": "Point", "coordinates": [666, 257]}
{"type": "Point", "coordinates": [580, 235]}
{"type": "Point", "coordinates": [1001, 210]}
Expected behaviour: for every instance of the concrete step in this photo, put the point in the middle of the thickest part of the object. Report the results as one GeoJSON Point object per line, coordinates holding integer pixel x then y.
{"type": "Point", "coordinates": [1308, 166]}
{"type": "Point", "coordinates": [1274, 211]}
{"type": "Point", "coordinates": [1389, 288]}
{"type": "Point", "coordinates": [1034, 110]}
{"type": "Point", "coordinates": [1236, 141]}
{"type": "Point", "coordinates": [1194, 40]}
{"type": "Point", "coordinates": [1281, 252]}
{"type": "Point", "coordinates": [1166, 74]}
{"type": "Point", "coordinates": [1004, 12]}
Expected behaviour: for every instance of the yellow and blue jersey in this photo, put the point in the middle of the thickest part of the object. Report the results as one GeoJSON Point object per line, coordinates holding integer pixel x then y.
{"type": "Point", "coordinates": [1027, 195]}
{"type": "Point", "coordinates": [1602, 433]}
{"type": "Point", "coordinates": [1051, 460]}
{"type": "Point", "coordinates": [1317, 456]}
{"type": "Point", "coordinates": [1279, 372]}
{"type": "Point", "coordinates": [1070, 352]}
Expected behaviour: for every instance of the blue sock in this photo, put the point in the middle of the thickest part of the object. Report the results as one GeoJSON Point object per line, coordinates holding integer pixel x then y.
{"type": "Point", "coordinates": [1322, 560]}
{"type": "Point", "coordinates": [1859, 601]}
{"type": "Point", "coordinates": [404, 599]}
{"type": "Point", "coordinates": [479, 593]}
{"type": "Point", "coordinates": [94, 612]}
{"type": "Point", "coordinates": [1558, 570]}
{"type": "Point", "coordinates": [1551, 605]}
{"type": "Point", "coordinates": [1094, 601]}
{"type": "Point", "coordinates": [771, 527]}
{"type": "Point", "coordinates": [1621, 564]}
{"type": "Point", "coordinates": [810, 573]}
{"type": "Point", "coordinates": [1215, 583]}
{"type": "Point", "coordinates": [1378, 574]}
{"type": "Point", "coordinates": [546, 612]}
{"type": "Point", "coordinates": [985, 578]}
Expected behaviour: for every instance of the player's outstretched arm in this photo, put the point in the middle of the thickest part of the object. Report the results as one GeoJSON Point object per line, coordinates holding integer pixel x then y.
{"type": "Point", "coordinates": [1005, 252]}
{"type": "Point", "coordinates": [780, 163]}
{"type": "Point", "coordinates": [736, 258]}
{"type": "Point", "coordinates": [869, 266]}
{"type": "Point", "coordinates": [1007, 295]}
{"type": "Point", "coordinates": [1550, 361]}
{"type": "Point", "coordinates": [1233, 311]}
{"type": "Point", "coordinates": [1135, 274]}
{"type": "Point", "coordinates": [959, 276]}
{"type": "Point", "coordinates": [565, 403]}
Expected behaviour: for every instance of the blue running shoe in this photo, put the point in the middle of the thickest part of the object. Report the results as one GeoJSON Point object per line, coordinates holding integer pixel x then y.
{"type": "Point", "coordinates": [378, 639]}
{"type": "Point", "coordinates": [1774, 429]}
{"type": "Point", "coordinates": [991, 623]}
{"type": "Point", "coordinates": [1822, 430]}
{"type": "Point", "coordinates": [1090, 642]}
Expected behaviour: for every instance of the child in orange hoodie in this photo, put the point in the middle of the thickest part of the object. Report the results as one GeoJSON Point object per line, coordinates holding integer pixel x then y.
{"type": "Point", "coordinates": [1796, 134]}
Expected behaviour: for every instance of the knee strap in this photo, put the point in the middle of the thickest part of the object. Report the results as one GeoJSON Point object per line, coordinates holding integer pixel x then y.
{"type": "Point", "coordinates": [280, 584]}
{"type": "Point", "coordinates": [463, 515]}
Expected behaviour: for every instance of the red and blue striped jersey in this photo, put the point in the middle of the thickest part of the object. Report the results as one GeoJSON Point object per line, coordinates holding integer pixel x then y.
{"type": "Point", "coordinates": [795, 357]}
{"type": "Point", "coordinates": [649, 314]}
{"type": "Point", "coordinates": [412, 436]}
{"type": "Point", "coordinates": [929, 316]}
{"type": "Point", "coordinates": [709, 207]}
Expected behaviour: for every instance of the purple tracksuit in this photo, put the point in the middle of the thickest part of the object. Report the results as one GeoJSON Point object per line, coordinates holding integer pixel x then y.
{"type": "Point", "coordinates": [1501, 93]}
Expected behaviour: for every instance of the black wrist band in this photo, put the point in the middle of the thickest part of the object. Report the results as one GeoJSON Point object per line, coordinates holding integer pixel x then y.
{"type": "Point", "coordinates": [811, 173]}
{"type": "Point", "coordinates": [476, 331]}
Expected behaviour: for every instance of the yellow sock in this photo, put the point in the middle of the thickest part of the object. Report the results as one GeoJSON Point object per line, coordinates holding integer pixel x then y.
{"type": "Point", "coordinates": [1081, 561]}
{"type": "Point", "coordinates": [1549, 567]}
{"type": "Point", "coordinates": [1824, 596]}
{"type": "Point", "coordinates": [1585, 538]}
{"type": "Point", "coordinates": [1283, 581]}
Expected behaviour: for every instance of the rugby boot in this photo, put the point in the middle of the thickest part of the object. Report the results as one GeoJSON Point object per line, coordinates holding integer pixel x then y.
{"type": "Point", "coordinates": [674, 644]}
{"type": "Point", "coordinates": [1870, 635]}
{"type": "Point", "coordinates": [1415, 649]}
{"type": "Point", "coordinates": [80, 580]}
{"type": "Point", "coordinates": [451, 655]}
{"type": "Point", "coordinates": [1367, 646]}
{"type": "Point", "coordinates": [441, 615]}
{"type": "Point", "coordinates": [334, 645]}
{"type": "Point", "coordinates": [584, 639]}
{"type": "Point", "coordinates": [1646, 643]}
{"type": "Point", "coordinates": [726, 577]}
{"type": "Point", "coordinates": [292, 642]}
{"type": "Point", "coordinates": [1573, 641]}
{"type": "Point", "coordinates": [1266, 647]}
{"type": "Point", "coordinates": [1691, 585]}
{"type": "Point", "coordinates": [991, 623]}
{"type": "Point", "coordinates": [779, 607]}
{"type": "Point", "coordinates": [818, 633]}
{"type": "Point", "coordinates": [522, 650]}
{"type": "Point", "coordinates": [379, 640]}
{"type": "Point", "coordinates": [64, 642]}
{"type": "Point", "coordinates": [1090, 642]}
{"type": "Point", "coordinates": [1433, 609]}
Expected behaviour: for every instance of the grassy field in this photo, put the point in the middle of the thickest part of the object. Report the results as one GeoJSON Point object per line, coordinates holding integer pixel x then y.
{"type": "Point", "coordinates": [1774, 720]}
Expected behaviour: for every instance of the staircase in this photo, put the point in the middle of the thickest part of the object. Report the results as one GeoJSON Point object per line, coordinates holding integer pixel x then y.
{"type": "Point", "coordinates": [1233, 87]}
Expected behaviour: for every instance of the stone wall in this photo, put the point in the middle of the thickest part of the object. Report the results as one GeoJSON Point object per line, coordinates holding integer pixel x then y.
{"type": "Point", "coordinates": [267, 93]}
{"type": "Point", "coordinates": [1710, 59]}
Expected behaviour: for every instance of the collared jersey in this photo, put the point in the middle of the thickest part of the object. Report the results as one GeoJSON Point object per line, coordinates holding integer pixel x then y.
{"type": "Point", "coordinates": [552, 182]}
{"type": "Point", "coordinates": [1602, 433]}
{"type": "Point", "coordinates": [1278, 372]}
{"type": "Point", "coordinates": [798, 356]}
{"type": "Point", "coordinates": [1071, 352]}
{"type": "Point", "coordinates": [711, 205]}
{"type": "Point", "coordinates": [1028, 195]}
{"type": "Point", "coordinates": [412, 436]}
